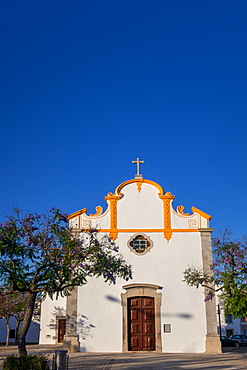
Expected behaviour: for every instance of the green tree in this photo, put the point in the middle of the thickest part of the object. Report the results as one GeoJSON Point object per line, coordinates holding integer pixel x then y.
{"type": "Point", "coordinates": [229, 276]}
{"type": "Point", "coordinates": [41, 255]}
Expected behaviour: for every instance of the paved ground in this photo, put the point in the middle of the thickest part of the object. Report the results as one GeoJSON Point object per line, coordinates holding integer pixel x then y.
{"type": "Point", "coordinates": [231, 359]}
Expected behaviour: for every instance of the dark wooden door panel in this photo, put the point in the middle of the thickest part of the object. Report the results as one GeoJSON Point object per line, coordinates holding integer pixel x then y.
{"type": "Point", "coordinates": [147, 302]}
{"type": "Point", "coordinates": [147, 315]}
{"type": "Point", "coordinates": [135, 315]}
{"type": "Point", "coordinates": [141, 324]}
{"type": "Point", "coordinates": [61, 329]}
{"type": "Point", "coordinates": [135, 302]}
{"type": "Point", "coordinates": [148, 328]}
{"type": "Point", "coordinates": [135, 328]}
{"type": "Point", "coordinates": [135, 343]}
{"type": "Point", "coordinates": [148, 343]}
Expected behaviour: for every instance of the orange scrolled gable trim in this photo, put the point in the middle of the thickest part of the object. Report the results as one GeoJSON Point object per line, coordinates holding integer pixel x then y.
{"type": "Point", "coordinates": [112, 200]}
{"type": "Point", "coordinates": [166, 198]}
{"type": "Point", "coordinates": [201, 213]}
{"type": "Point", "coordinates": [78, 213]}
{"type": "Point", "coordinates": [139, 183]}
{"type": "Point", "coordinates": [180, 209]}
{"type": "Point", "coordinates": [99, 211]}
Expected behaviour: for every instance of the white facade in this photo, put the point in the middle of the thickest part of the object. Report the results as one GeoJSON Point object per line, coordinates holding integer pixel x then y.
{"type": "Point", "coordinates": [140, 208]}
{"type": "Point", "coordinates": [51, 312]}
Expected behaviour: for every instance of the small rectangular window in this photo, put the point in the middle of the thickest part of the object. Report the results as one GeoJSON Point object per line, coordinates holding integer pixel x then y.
{"type": "Point", "coordinates": [229, 319]}
{"type": "Point", "coordinates": [12, 334]}
{"type": "Point", "coordinates": [167, 328]}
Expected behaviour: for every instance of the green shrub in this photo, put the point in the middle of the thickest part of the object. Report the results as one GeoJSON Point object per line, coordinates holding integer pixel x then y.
{"type": "Point", "coordinates": [35, 362]}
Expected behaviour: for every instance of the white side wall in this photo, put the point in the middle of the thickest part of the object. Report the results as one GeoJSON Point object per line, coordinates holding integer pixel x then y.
{"type": "Point", "coordinates": [50, 309]}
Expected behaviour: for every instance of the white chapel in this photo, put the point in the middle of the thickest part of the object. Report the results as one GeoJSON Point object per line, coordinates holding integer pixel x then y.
{"type": "Point", "coordinates": [156, 310]}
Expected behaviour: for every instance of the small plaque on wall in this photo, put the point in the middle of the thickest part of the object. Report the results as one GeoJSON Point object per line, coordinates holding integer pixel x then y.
{"type": "Point", "coordinates": [167, 328]}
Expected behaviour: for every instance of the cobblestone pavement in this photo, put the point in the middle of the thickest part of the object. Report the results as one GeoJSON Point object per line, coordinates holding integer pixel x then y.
{"type": "Point", "coordinates": [231, 359]}
{"type": "Point", "coordinates": [225, 361]}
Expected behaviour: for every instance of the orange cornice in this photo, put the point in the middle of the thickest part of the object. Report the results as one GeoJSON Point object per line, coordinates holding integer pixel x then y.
{"type": "Point", "coordinates": [149, 230]}
{"type": "Point", "coordinates": [139, 183]}
{"type": "Point", "coordinates": [201, 213]}
{"type": "Point", "coordinates": [78, 213]}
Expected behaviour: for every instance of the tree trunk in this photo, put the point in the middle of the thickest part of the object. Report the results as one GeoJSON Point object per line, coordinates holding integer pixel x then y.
{"type": "Point", "coordinates": [17, 325]}
{"type": "Point", "coordinates": [26, 323]}
{"type": "Point", "coordinates": [8, 331]}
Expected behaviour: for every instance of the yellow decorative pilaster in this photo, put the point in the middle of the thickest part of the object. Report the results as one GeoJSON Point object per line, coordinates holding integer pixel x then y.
{"type": "Point", "coordinates": [113, 214]}
{"type": "Point", "coordinates": [167, 198]}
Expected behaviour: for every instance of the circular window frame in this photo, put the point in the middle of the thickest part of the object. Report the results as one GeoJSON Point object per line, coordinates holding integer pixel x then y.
{"type": "Point", "coordinates": [151, 244]}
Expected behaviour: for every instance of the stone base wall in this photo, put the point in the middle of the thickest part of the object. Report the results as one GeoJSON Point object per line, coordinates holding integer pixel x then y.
{"type": "Point", "coordinates": [213, 344]}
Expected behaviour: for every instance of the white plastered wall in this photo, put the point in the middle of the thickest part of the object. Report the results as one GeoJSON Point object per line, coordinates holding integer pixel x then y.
{"type": "Point", "coordinates": [182, 307]}
{"type": "Point", "coordinates": [142, 209]}
{"type": "Point", "coordinates": [50, 310]}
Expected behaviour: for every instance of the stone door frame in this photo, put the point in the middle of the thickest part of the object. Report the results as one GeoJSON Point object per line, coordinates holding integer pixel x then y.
{"type": "Point", "coordinates": [142, 290]}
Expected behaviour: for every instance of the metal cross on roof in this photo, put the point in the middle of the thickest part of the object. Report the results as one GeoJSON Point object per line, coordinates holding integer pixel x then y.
{"type": "Point", "coordinates": [138, 175]}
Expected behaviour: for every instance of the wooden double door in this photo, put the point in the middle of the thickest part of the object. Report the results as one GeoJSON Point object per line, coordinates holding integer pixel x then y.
{"type": "Point", "coordinates": [141, 324]}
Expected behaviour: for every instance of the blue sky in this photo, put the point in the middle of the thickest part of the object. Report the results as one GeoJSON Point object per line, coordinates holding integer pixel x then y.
{"type": "Point", "coordinates": [88, 86]}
